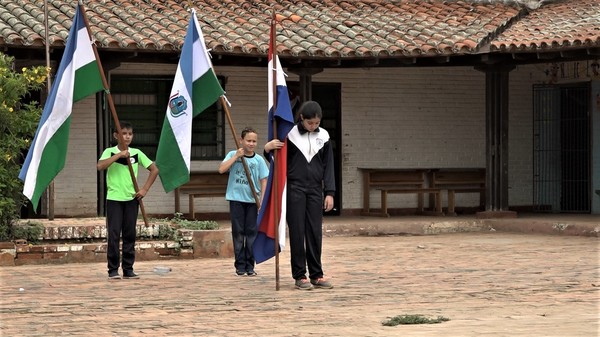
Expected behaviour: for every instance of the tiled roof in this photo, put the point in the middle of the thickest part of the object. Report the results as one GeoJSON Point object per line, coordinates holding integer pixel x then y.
{"type": "Point", "coordinates": [316, 29]}
{"type": "Point", "coordinates": [560, 25]}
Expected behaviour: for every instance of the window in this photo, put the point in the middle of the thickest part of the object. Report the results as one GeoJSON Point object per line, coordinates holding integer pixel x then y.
{"type": "Point", "coordinates": [143, 102]}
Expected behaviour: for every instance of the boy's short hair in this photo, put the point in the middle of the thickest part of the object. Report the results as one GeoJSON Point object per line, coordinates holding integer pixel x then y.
{"type": "Point", "coordinates": [124, 125]}
{"type": "Point", "coordinates": [247, 130]}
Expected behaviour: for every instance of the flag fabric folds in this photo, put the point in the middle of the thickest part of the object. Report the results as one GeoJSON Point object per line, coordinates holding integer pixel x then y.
{"type": "Point", "coordinates": [195, 88]}
{"type": "Point", "coordinates": [78, 76]}
{"type": "Point", "coordinates": [275, 193]}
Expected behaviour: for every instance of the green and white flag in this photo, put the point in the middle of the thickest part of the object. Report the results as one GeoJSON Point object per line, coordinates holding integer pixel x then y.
{"type": "Point", "coordinates": [78, 76]}
{"type": "Point", "coordinates": [195, 88]}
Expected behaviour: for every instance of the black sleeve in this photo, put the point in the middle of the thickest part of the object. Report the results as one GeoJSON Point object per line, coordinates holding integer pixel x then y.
{"type": "Point", "coordinates": [328, 170]}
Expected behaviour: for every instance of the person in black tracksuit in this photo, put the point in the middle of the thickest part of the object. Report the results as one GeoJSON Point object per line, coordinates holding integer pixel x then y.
{"type": "Point", "coordinates": [310, 190]}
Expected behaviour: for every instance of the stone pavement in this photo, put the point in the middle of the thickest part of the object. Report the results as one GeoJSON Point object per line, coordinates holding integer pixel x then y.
{"type": "Point", "coordinates": [486, 283]}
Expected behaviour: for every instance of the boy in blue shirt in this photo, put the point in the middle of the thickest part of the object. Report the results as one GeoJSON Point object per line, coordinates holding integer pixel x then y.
{"type": "Point", "coordinates": [242, 204]}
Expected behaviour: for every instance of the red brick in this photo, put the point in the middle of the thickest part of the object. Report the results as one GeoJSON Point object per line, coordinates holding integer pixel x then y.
{"type": "Point", "coordinates": [7, 245]}
{"type": "Point", "coordinates": [55, 256]}
{"type": "Point", "coordinates": [7, 259]}
{"type": "Point", "coordinates": [23, 249]}
{"type": "Point", "coordinates": [38, 249]}
{"type": "Point", "coordinates": [29, 256]}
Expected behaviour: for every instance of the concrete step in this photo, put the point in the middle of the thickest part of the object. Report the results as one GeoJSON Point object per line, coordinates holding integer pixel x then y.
{"type": "Point", "coordinates": [84, 240]}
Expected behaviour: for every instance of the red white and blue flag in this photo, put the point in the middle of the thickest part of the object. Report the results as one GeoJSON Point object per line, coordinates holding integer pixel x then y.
{"type": "Point", "coordinates": [273, 211]}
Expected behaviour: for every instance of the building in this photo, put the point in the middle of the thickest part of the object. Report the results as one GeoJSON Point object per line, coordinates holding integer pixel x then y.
{"type": "Point", "coordinates": [510, 86]}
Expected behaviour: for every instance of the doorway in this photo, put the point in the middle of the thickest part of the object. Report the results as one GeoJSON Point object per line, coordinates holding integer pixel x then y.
{"type": "Point", "coordinates": [561, 148]}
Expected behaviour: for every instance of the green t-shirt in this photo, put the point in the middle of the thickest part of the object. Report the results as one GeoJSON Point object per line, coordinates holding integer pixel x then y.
{"type": "Point", "coordinates": [118, 179]}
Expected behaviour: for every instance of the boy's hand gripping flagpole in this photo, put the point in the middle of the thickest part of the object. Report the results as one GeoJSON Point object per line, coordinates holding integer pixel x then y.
{"type": "Point", "coordinates": [237, 146]}
{"type": "Point", "coordinates": [113, 111]}
{"type": "Point", "coordinates": [276, 213]}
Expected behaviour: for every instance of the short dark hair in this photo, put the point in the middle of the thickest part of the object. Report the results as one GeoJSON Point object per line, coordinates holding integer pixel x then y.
{"type": "Point", "coordinates": [310, 110]}
{"type": "Point", "coordinates": [124, 125]}
{"type": "Point", "coordinates": [247, 130]}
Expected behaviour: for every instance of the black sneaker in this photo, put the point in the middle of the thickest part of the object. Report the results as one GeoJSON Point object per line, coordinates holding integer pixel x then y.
{"type": "Point", "coordinates": [130, 275]}
{"type": "Point", "coordinates": [114, 275]}
{"type": "Point", "coordinates": [251, 273]}
{"type": "Point", "coordinates": [240, 273]}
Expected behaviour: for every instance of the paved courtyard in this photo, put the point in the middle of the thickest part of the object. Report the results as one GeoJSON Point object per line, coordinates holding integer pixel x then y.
{"type": "Point", "coordinates": [487, 284]}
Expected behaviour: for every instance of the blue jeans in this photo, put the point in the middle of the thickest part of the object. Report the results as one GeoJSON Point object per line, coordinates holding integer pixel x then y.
{"type": "Point", "coordinates": [243, 231]}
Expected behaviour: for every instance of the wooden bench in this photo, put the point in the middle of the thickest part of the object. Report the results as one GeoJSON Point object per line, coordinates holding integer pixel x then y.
{"type": "Point", "coordinates": [201, 184]}
{"type": "Point", "coordinates": [460, 181]}
{"type": "Point", "coordinates": [396, 181]}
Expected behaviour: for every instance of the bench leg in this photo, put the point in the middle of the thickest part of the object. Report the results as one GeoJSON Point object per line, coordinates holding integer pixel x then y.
{"type": "Point", "coordinates": [482, 199]}
{"type": "Point", "coordinates": [438, 203]}
{"type": "Point", "coordinates": [384, 207]}
{"type": "Point", "coordinates": [191, 209]}
{"type": "Point", "coordinates": [451, 202]}
{"type": "Point", "coordinates": [177, 207]}
{"type": "Point", "coordinates": [420, 202]}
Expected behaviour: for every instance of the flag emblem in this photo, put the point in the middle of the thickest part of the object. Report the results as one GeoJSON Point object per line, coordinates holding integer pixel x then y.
{"type": "Point", "coordinates": [177, 105]}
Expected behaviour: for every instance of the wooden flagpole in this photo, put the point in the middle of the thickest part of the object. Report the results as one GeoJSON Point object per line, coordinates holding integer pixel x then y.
{"type": "Point", "coordinates": [277, 215]}
{"type": "Point", "coordinates": [237, 146]}
{"type": "Point", "coordinates": [111, 104]}
{"type": "Point", "coordinates": [49, 84]}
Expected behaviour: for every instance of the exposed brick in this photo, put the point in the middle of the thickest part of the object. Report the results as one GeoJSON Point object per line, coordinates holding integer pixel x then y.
{"type": "Point", "coordinates": [46, 248]}
{"type": "Point", "coordinates": [55, 256]}
{"type": "Point", "coordinates": [213, 243]}
{"type": "Point", "coordinates": [29, 256]}
{"type": "Point", "coordinates": [187, 254]}
{"type": "Point", "coordinates": [165, 251]}
{"type": "Point", "coordinates": [7, 245]}
{"type": "Point", "coordinates": [23, 249]}
{"type": "Point", "coordinates": [7, 258]}
{"type": "Point", "coordinates": [90, 248]}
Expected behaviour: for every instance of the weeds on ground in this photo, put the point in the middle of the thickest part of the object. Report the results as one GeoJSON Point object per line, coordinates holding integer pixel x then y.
{"type": "Point", "coordinates": [168, 227]}
{"type": "Point", "coordinates": [30, 231]}
{"type": "Point", "coordinates": [413, 319]}
{"type": "Point", "coordinates": [180, 222]}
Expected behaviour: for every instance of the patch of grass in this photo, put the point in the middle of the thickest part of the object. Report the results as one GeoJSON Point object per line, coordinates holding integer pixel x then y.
{"type": "Point", "coordinates": [179, 222]}
{"type": "Point", "coordinates": [414, 319]}
{"type": "Point", "coordinates": [30, 231]}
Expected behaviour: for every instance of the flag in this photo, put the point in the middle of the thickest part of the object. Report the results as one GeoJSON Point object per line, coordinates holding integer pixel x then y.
{"type": "Point", "coordinates": [275, 193]}
{"type": "Point", "coordinates": [195, 88]}
{"type": "Point", "coordinates": [78, 76]}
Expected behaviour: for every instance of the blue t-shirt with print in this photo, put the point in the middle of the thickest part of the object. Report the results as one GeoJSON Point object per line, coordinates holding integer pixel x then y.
{"type": "Point", "coordinates": [238, 188]}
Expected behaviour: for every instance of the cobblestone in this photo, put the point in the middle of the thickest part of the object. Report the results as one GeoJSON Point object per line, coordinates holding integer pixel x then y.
{"type": "Point", "coordinates": [486, 283]}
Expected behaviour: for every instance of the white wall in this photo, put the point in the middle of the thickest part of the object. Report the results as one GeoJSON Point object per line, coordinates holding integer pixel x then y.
{"type": "Point", "coordinates": [393, 117]}
{"type": "Point", "coordinates": [75, 185]}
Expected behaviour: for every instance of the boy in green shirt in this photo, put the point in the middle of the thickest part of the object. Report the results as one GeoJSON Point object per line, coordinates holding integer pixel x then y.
{"type": "Point", "coordinates": [122, 201]}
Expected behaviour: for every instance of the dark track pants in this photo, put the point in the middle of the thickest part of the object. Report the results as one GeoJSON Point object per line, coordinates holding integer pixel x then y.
{"type": "Point", "coordinates": [121, 218]}
{"type": "Point", "coordinates": [243, 232]}
{"type": "Point", "coordinates": [305, 221]}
